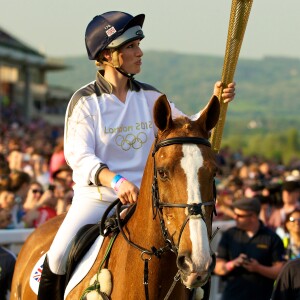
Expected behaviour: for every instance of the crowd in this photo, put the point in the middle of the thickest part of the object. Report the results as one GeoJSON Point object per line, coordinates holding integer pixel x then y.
{"type": "Point", "coordinates": [35, 180]}
{"type": "Point", "coordinates": [36, 185]}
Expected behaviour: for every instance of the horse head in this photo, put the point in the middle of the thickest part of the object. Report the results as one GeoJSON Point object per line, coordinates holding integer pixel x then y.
{"type": "Point", "coordinates": [183, 187]}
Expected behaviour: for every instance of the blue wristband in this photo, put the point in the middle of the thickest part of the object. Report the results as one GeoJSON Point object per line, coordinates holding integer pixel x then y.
{"type": "Point", "coordinates": [115, 180]}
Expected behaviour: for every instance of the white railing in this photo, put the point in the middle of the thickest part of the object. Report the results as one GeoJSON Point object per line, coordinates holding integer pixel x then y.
{"type": "Point", "coordinates": [13, 239]}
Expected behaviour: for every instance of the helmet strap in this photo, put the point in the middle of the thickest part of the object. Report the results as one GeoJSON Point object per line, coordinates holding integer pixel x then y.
{"type": "Point", "coordinates": [116, 63]}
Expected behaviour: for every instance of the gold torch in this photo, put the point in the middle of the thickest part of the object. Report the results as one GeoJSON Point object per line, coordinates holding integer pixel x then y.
{"type": "Point", "coordinates": [239, 15]}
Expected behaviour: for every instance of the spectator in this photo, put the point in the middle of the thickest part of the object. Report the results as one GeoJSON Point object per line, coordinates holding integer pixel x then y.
{"type": "Point", "coordinates": [290, 199]}
{"type": "Point", "coordinates": [65, 173]}
{"type": "Point", "coordinates": [5, 180]}
{"type": "Point", "coordinates": [63, 193]}
{"type": "Point", "coordinates": [57, 159]}
{"type": "Point", "coordinates": [292, 239]}
{"type": "Point", "coordinates": [15, 155]}
{"type": "Point", "coordinates": [223, 206]}
{"type": "Point", "coordinates": [287, 286]}
{"type": "Point", "coordinates": [20, 183]}
{"type": "Point", "coordinates": [34, 194]}
{"type": "Point", "coordinates": [40, 168]}
{"type": "Point", "coordinates": [249, 256]}
{"type": "Point", "coordinates": [39, 206]}
{"type": "Point", "coordinates": [7, 265]}
{"type": "Point", "coordinates": [7, 202]}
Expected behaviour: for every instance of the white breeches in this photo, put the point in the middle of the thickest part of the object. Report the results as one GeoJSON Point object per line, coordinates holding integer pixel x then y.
{"type": "Point", "coordinates": [88, 206]}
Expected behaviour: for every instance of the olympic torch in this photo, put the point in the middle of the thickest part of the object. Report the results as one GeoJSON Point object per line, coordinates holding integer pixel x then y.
{"type": "Point", "coordinates": [239, 15]}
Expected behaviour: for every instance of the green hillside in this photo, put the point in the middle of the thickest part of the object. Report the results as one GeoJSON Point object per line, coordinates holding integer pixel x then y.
{"type": "Point", "coordinates": [267, 92]}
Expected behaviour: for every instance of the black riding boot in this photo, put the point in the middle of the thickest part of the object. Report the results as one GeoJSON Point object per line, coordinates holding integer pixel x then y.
{"type": "Point", "coordinates": [52, 286]}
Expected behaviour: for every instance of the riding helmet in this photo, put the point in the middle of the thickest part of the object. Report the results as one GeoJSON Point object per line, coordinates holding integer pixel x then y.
{"type": "Point", "coordinates": [112, 30]}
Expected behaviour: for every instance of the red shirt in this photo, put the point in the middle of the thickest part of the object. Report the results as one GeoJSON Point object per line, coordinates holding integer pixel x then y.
{"type": "Point", "coordinates": [45, 213]}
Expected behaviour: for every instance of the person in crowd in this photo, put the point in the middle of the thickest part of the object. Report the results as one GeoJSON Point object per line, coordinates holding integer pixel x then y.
{"type": "Point", "coordinates": [40, 168]}
{"type": "Point", "coordinates": [65, 173]}
{"type": "Point", "coordinates": [287, 285]}
{"type": "Point", "coordinates": [290, 200]}
{"type": "Point", "coordinates": [63, 193]}
{"type": "Point", "coordinates": [57, 159]}
{"type": "Point", "coordinates": [5, 218]}
{"type": "Point", "coordinates": [106, 165]}
{"type": "Point", "coordinates": [249, 255]}
{"type": "Point", "coordinates": [15, 155]}
{"type": "Point", "coordinates": [7, 202]}
{"type": "Point", "coordinates": [7, 265]}
{"type": "Point", "coordinates": [270, 200]}
{"type": "Point", "coordinates": [292, 239]}
{"type": "Point", "coordinates": [39, 206]}
{"type": "Point", "coordinates": [4, 175]}
{"type": "Point", "coordinates": [225, 198]}
{"type": "Point", "coordinates": [20, 183]}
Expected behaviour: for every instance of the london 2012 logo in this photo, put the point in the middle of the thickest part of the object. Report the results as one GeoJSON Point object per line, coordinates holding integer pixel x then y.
{"type": "Point", "coordinates": [130, 140]}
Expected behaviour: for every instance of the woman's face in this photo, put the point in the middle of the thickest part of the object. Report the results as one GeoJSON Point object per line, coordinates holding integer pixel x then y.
{"type": "Point", "coordinates": [7, 200]}
{"type": "Point", "coordinates": [293, 224]}
{"type": "Point", "coordinates": [130, 57]}
{"type": "Point", "coordinates": [35, 191]}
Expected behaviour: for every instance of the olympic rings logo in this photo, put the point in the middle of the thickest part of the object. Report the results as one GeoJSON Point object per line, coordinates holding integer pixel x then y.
{"type": "Point", "coordinates": [131, 141]}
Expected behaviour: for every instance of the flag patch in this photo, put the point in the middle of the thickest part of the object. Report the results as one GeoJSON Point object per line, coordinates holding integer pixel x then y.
{"type": "Point", "coordinates": [109, 32]}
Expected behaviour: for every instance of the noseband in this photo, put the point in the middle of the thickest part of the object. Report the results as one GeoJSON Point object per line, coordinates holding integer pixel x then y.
{"type": "Point", "coordinates": [194, 209]}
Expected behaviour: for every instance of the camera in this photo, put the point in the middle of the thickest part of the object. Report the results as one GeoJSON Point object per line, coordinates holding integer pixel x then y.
{"type": "Point", "coordinates": [51, 187]}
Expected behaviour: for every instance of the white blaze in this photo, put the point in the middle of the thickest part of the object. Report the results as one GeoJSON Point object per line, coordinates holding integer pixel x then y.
{"type": "Point", "coordinates": [191, 161]}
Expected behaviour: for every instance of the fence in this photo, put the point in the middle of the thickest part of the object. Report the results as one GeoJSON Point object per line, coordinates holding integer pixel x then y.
{"type": "Point", "coordinates": [13, 239]}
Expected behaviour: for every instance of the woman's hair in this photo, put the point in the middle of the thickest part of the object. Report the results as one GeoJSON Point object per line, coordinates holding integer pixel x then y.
{"type": "Point", "coordinates": [18, 178]}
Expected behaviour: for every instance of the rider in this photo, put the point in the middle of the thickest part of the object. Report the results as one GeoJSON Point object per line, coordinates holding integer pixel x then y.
{"type": "Point", "coordinates": [109, 130]}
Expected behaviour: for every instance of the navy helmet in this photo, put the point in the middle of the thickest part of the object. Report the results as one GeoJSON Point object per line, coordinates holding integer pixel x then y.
{"type": "Point", "coordinates": [112, 30]}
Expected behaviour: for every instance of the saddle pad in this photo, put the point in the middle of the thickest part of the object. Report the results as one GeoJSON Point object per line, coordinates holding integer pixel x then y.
{"type": "Point", "coordinates": [35, 276]}
{"type": "Point", "coordinates": [80, 271]}
{"type": "Point", "coordinates": [85, 265]}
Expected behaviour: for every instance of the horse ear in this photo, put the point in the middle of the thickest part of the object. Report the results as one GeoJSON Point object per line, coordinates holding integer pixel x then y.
{"type": "Point", "coordinates": [162, 113]}
{"type": "Point", "coordinates": [210, 114]}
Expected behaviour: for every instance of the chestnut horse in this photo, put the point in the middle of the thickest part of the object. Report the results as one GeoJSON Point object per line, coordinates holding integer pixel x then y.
{"type": "Point", "coordinates": [168, 236]}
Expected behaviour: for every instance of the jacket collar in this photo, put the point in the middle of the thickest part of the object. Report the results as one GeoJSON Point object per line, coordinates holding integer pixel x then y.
{"type": "Point", "coordinates": [104, 86]}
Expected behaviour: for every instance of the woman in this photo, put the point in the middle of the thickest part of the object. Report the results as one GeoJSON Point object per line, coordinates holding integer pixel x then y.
{"type": "Point", "coordinates": [108, 132]}
{"type": "Point", "coordinates": [292, 240]}
{"type": "Point", "coordinates": [39, 206]}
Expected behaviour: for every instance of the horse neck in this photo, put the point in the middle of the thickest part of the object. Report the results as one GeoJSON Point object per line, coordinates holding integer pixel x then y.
{"type": "Point", "coordinates": [143, 226]}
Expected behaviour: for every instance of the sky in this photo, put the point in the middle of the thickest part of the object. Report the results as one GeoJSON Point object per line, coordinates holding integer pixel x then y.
{"type": "Point", "coordinates": [57, 27]}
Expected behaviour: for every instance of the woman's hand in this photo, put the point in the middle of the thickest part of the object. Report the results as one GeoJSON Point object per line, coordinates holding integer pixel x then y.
{"type": "Point", "coordinates": [228, 92]}
{"type": "Point", "coordinates": [128, 192]}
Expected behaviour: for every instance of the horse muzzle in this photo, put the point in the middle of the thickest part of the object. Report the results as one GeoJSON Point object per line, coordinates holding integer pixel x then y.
{"type": "Point", "coordinates": [189, 276]}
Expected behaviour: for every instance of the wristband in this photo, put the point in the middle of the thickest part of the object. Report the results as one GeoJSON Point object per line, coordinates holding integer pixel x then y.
{"type": "Point", "coordinates": [117, 185]}
{"type": "Point", "coordinates": [115, 180]}
{"type": "Point", "coordinates": [229, 266]}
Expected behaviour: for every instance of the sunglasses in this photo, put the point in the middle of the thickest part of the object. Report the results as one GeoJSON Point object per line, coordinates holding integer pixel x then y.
{"type": "Point", "coordinates": [292, 219]}
{"type": "Point", "coordinates": [243, 216]}
{"type": "Point", "coordinates": [37, 191]}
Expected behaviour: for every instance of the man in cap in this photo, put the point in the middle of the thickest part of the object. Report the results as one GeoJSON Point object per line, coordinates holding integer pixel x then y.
{"type": "Point", "coordinates": [249, 256]}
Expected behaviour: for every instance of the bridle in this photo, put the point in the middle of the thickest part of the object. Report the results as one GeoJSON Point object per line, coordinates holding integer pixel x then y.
{"type": "Point", "coordinates": [193, 209]}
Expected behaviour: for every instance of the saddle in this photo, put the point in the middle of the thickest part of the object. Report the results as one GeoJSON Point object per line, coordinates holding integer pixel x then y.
{"type": "Point", "coordinates": [87, 235]}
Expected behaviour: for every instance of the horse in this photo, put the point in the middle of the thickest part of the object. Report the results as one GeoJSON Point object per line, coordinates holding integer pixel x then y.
{"type": "Point", "coordinates": [163, 250]}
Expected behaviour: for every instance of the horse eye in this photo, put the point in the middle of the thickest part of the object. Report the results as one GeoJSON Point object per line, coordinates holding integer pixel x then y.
{"type": "Point", "coordinates": [162, 174]}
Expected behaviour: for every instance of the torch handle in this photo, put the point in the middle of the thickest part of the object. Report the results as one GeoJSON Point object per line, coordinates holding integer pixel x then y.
{"type": "Point", "coordinates": [239, 15]}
